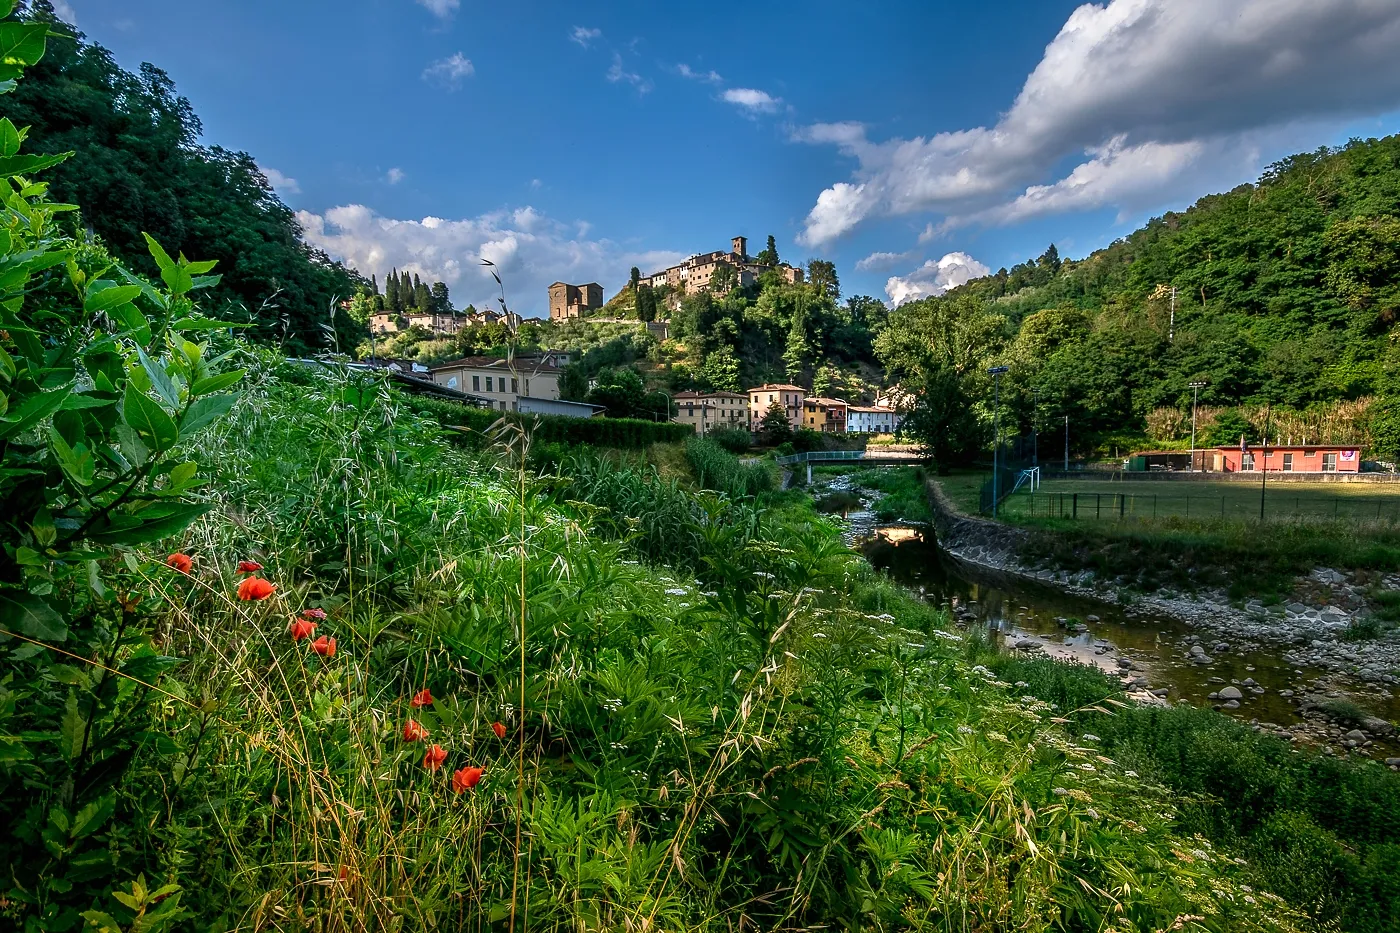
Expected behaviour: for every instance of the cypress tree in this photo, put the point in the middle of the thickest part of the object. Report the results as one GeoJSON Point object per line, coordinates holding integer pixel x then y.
{"type": "Point", "coordinates": [373, 285]}
{"type": "Point", "coordinates": [391, 291]}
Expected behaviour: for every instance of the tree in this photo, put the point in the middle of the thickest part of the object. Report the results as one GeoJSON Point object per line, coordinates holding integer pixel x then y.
{"type": "Point", "coordinates": [768, 256]}
{"type": "Point", "coordinates": [621, 392]}
{"type": "Point", "coordinates": [635, 279]}
{"type": "Point", "coordinates": [720, 371]}
{"type": "Point", "coordinates": [646, 304]}
{"type": "Point", "coordinates": [1050, 260]}
{"type": "Point", "coordinates": [775, 426]}
{"type": "Point", "coordinates": [822, 274]}
{"type": "Point", "coordinates": [391, 292]}
{"type": "Point", "coordinates": [422, 297]}
{"type": "Point", "coordinates": [724, 279]}
{"type": "Point", "coordinates": [798, 349]}
{"type": "Point", "coordinates": [573, 382]}
{"type": "Point", "coordinates": [441, 301]}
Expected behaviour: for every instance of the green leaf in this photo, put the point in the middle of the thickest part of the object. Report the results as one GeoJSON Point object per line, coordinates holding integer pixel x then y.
{"type": "Point", "coordinates": [91, 817]}
{"type": "Point", "coordinates": [32, 410]}
{"type": "Point", "coordinates": [149, 667]}
{"type": "Point", "coordinates": [203, 323]}
{"type": "Point", "coordinates": [132, 447]}
{"type": "Point", "coordinates": [183, 473]}
{"type": "Point", "coordinates": [76, 402]}
{"type": "Point", "coordinates": [71, 731]}
{"type": "Point", "coordinates": [102, 299]}
{"type": "Point", "coordinates": [25, 164]}
{"type": "Point", "coordinates": [9, 136]}
{"type": "Point", "coordinates": [215, 383]}
{"type": "Point", "coordinates": [175, 278]}
{"type": "Point", "coordinates": [131, 318]}
{"type": "Point", "coordinates": [23, 43]}
{"type": "Point", "coordinates": [205, 410]}
{"type": "Point", "coordinates": [31, 616]}
{"type": "Point", "coordinates": [150, 422]}
{"type": "Point", "coordinates": [160, 379]}
{"type": "Point", "coordinates": [77, 462]}
{"type": "Point", "coordinates": [152, 524]}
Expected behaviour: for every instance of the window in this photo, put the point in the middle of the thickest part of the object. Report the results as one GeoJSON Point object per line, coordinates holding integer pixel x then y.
{"type": "Point", "coordinates": [488, 384]}
{"type": "Point", "coordinates": [515, 385]}
{"type": "Point", "coordinates": [1329, 463]}
{"type": "Point", "coordinates": [476, 383]}
{"type": "Point", "coordinates": [1247, 462]}
{"type": "Point", "coordinates": [1287, 463]}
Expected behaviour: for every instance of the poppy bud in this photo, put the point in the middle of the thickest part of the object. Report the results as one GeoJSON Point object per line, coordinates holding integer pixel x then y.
{"type": "Point", "coordinates": [249, 566]}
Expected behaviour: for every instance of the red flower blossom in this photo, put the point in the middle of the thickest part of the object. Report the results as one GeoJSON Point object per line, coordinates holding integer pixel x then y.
{"type": "Point", "coordinates": [249, 566]}
{"type": "Point", "coordinates": [413, 731]}
{"type": "Point", "coordinates": [421, 699]}
{"type": "Point", "coordinates": [324, 646]}
{"type": "Point", "coordinates": [464, 779]}
{"type": "Point", "coordinates": [181, 562]}
{"type": "Point", "coordinates": [302, 628]}
{"type": "Point", "coordinates": [434, 758]}
{"type": "Point", "coordinates": [318, 615]}
{"type": "Point", "coordinates": [253, 588]}
{"type": "Point", "coordinates": [499, 729]}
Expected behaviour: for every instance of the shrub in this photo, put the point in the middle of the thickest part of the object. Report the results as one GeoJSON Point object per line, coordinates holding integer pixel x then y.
{"type": "Point", "coordinates": [619, 433]}
{"type": "Point", "coordinates": [734, 440]}
{"type": "Point", "coordinates": [718, 469]}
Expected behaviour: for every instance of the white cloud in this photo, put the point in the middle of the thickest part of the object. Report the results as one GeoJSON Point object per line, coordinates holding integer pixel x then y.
{"type": "Point", "coordinates": [617, 74]}
{"type": "Point", "coordinates": [536, 184]}
{"type": "Point", "coordinates": [584, 36]}
{"type": "Point", "coordinates": [394, 176]}
{"type": "Point", "coordinates": [450, 71]}
{"type": "Point", "coordinates": [280, 183]}
{"type": "Point", "coordinates": [877, 261]}
{"type": "Point", "coordinates": [709, 77]}
{"type": "Point", "coordinates": [530, 250]}
{"type": "Point", "coordinates": [934, 277]}
{"type": "Point", "coordinates": [1149, 89]}
{"type": "Point", "coordinates": [64, 10]}
{"type": "Point", "coordinates": [751, 99]}
{"type": "Point", "coordinates": [441, 8]}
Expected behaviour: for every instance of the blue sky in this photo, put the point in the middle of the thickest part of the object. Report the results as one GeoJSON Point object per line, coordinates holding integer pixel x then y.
{"type": "Point", "coordinates": [913, 143]}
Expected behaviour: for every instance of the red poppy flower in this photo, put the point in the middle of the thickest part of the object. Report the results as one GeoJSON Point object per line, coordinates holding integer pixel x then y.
{"type": "Point", "coordinates": [499, 729]}
{"type": "Point", "coordinates": [464, 779]}
{"type": "Point", "coordinates": [413, 731]}
{"type": "Point", "coordinates": [302, 628]}
{"type": "Point", "coordinates": [181, 562]}
{"type": "Point", "coordinates": [421, 699]}
{"type": "Point", "coordinates": [318, 615]}
{"type": "Point", "coordinates": [249, 566]}
{"type": "Point", "coordinates": [324, 646]}
{"type": "Point", "coordinates": [434, 758]}
{"type": "Point", "coordinates": [255, 588]}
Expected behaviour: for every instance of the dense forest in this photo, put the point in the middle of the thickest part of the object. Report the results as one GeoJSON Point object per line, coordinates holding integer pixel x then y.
{"type": "Point", "coordinates": [138, 167]}
{"type": "Point", "coordinates": [1280, 296]}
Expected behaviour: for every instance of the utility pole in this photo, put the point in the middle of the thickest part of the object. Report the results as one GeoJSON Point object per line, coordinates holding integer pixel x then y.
{"type": "Point", "coordinates": [1264, 466]}
{"type": "Point", "coordinates": [1171, 322]}
{"type": "Point", "coordinates": [996, 374]}
{"type": "Point", "coordinates": [1196, 388]}
{"type": "Point", "coordinates": [1035, 430]}
{"type": "Point", "coordinates": [1066, 443]}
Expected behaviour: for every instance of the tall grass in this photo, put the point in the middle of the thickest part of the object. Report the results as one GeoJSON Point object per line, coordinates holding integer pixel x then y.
{"type": "Point", "coordinates": [712, 718]}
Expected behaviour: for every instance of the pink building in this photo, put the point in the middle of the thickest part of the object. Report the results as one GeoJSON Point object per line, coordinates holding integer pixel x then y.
{"type": "Point", "coordinates": [1287, 458]}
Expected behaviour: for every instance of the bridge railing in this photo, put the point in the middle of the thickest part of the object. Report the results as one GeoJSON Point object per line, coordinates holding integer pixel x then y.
{"type": "Point", "coordinates": [825, 456]}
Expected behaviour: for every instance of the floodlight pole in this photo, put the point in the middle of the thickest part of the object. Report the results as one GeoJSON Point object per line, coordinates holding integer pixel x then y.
{"type": "Point", "coordinates": [1196, 388]}
{"type": "Point", "coordinates": [996, 373]}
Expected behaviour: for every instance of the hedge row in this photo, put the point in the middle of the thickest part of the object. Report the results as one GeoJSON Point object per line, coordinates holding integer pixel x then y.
{"type": "Point", "coordinates": [623, 433]}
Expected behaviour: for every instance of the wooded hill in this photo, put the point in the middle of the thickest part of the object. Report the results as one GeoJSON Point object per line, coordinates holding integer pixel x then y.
{"type": "Point", "coordinates": [1286, 295]}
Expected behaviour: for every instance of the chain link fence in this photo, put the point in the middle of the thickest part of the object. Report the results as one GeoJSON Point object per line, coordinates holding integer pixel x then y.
{"type": "Point", "coordinates": [1281, 505]}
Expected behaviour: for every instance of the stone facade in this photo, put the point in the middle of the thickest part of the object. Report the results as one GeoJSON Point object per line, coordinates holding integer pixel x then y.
{"type": "Point", "coordinates": [697, 273]}
{"type": "Point", "coordinates": [573, 301]}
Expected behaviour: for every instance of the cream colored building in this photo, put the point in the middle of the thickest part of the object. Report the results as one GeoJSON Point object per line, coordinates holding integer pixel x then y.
{"type": "Point", "coordinates": [762, 398]}
{"type": "Point", "coordinates": [696, 273]}
{"type": "Point", "coordinates": [706, 411]}
{"type": "Point", "coordinates": [504, 383]}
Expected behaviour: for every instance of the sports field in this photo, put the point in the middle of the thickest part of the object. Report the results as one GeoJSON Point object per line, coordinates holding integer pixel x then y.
{"type": "Point", "coordinates": [1117, 499]}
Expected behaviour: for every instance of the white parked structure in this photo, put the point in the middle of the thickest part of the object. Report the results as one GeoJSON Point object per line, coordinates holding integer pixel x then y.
{"type": "Point", "coordinates": [872, 419]}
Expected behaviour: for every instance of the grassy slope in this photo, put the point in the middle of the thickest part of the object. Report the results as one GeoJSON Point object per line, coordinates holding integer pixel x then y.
{"type": "Point", "coordinates": [717, 711]}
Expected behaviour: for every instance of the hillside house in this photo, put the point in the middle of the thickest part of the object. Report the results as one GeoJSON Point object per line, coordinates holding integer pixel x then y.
{"type": "Point", "coordinates": [872, 419]}
{"type": "Point", "coordinates": [824, 415]}
{"type": "Point", "coordinates": [696, 273]}
{"type": "Point", "coordinates": [574, 301]}
{"type": "Point", "coordinates": [763, 397]}
{"type": "Point", "coordinates": [506, 384]}
{"type": "Point", "coordinates": [445, 324]}
{"type": "Point", "coordinates": [706, 411]}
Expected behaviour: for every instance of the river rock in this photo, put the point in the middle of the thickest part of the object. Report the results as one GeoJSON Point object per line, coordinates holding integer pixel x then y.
{"type": "Point", "coordinates": [1231, 693]}
{"type": "Point", "coordinates": [1202, 659]}
{"type": "Point", "coordinates": [1125, 663]}
{"type": "Point", "coordinates": [1377, 726]}
{"type": "Point", "coordinates": [1231, 704]}
{"type": "Point", "coordinates": [1356, 735]}
{"type": "Point", "coordinates": [1028, 644]}
{"type": "Point", "coordinates": [1248, 682]}
{"type": "Point", "coordinates": [1393, 762]}
{"type": "Point", "coordinates": [1197, 650]}
{"type": "Point", "coordinates": [1091, 618]}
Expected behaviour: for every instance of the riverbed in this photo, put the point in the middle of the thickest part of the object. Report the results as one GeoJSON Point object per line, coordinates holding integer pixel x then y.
{"type": "Point", "coordinates": [1160, 657]}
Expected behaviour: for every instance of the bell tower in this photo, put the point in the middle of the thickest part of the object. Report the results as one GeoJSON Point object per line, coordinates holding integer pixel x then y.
{"type": "Point", "coordinates": [740, 246]}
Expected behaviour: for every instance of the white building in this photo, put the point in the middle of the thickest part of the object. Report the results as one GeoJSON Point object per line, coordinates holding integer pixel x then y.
{"type": "Point", "coordinates": [872, 419]}
{"type": "Point", "coordinates": [504, 383]}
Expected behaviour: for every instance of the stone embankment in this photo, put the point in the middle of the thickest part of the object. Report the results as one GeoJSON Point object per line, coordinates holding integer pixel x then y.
{"type": "Point", "coordinates": [1306, 631]}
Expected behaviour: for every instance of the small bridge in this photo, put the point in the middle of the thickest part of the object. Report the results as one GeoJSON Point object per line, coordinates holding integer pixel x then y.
{"type": "Point", "coordinates": [874, 457]}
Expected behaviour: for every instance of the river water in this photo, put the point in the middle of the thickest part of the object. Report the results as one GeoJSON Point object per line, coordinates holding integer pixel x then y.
{"type": "Point", "coordinates": [1018, 610]}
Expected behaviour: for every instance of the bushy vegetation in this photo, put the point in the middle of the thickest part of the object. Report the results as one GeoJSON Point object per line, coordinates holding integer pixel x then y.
{"type": "Point", "coordinates": [903, 496]}
{"type": "Point", "coordinates": [1318, 830]}
{"type": "Point", "coordinates": [718, 469]}
{"type": "Point", "coordinates": [1284, 299]}
{"type": "Point", "coordinates": [624, 433]}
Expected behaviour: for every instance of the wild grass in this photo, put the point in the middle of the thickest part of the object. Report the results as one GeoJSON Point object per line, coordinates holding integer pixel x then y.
{"type": "Point", "coordinates": [713, 715]}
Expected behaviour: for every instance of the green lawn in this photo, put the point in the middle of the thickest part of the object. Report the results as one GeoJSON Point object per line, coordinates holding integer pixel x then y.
{"type": "Point", "coordinates": [1147, 499]}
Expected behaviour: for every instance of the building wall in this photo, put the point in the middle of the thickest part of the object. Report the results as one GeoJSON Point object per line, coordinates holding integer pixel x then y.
{"type": "Point", "coordinates": [870, 420]}
{"type": "Point", "coordinates": [501, 386]}
{"type": "Point", "coordinates": [761, 398]}
{"type": "Point", "coordinates": [1300, 460]}
{"type": "Point", "coordinates": [706, 412]}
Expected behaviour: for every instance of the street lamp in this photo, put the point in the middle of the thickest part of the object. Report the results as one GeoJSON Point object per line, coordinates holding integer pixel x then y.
{"type": "Point", "coordinates": [996, 374]}
{"type": "Point", "coordinates": [1196, 388]}
{"type": "Point", "coordinates": [1035, 430]}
